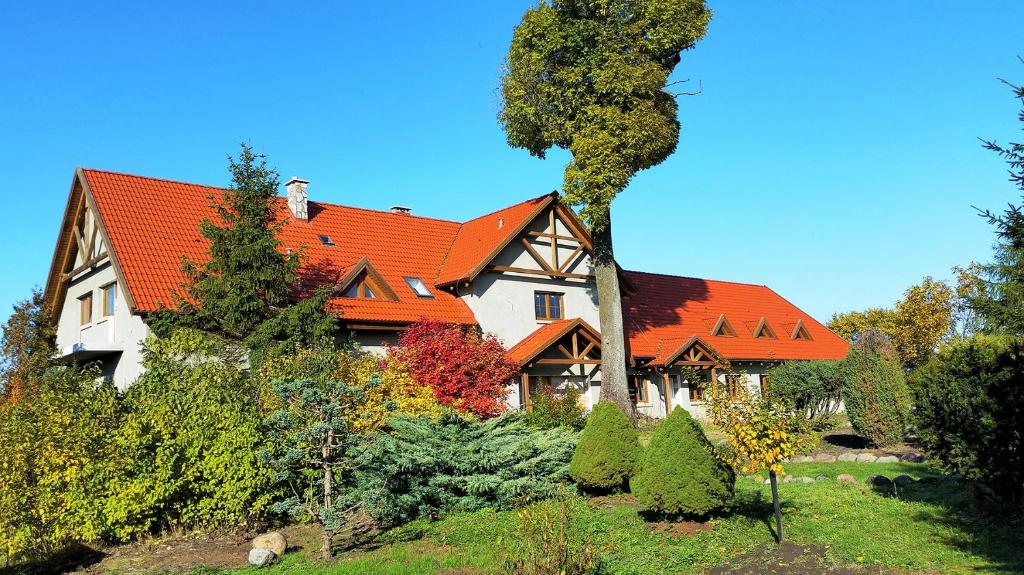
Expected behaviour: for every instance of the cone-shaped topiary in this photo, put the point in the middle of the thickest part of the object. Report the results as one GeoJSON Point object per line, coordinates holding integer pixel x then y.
{"type": "Point", "coordinates": [607, 450]}
{"type": "Point", "coordinates": [679, 474]}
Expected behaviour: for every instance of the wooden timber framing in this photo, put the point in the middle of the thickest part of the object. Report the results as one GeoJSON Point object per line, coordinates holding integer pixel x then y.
{"type": "Point", "coordinates": [364, 271]}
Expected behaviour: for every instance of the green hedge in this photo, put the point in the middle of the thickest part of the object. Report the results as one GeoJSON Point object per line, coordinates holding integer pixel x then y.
{"type": "Point", "coordinates": [876, 397]}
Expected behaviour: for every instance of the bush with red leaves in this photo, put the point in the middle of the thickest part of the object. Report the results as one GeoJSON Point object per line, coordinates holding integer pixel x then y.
{"type": "Point", "coordinates": [467, 371]}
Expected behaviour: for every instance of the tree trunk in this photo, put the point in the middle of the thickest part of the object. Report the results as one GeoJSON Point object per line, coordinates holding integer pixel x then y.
{"type": "Point", "coordinates": [775, 501]}
{"type": "Point", "coordinates": [325, 551]}
{"type": "Point", "coordinates": [614, 383]}
{"type": "Point", "coordinates": [325, 548]}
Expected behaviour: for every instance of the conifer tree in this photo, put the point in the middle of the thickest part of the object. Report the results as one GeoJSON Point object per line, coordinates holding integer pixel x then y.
{"type": "Point", "coordinates": [606, 454]}
{"type": "Point", "coordinates": [26, 346]}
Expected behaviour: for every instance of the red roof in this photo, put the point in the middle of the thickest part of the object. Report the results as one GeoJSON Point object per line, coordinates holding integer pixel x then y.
{"type": "Point", "coordinates": [480, 239]}
{"type": "Point", "coordinates": [544, 337]}
{"type": "Point", "coordinates": [666, 312]}
{"type": "Point", "coordinates": [152, 223]}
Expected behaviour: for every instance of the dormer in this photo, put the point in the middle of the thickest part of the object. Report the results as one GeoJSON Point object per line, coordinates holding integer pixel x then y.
{"type": "Point", "coordinates": [764, 330]}
{"type": "Point", "coordinates": [800, 332]}
{"type": "Point", "coordinates": [364, 282]}
{"type": "Point", "coordinates": [723, 328]}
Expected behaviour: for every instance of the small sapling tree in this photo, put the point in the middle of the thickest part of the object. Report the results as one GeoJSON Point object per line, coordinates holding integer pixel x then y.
{"type": "Point", "coordinates": [762, 435]}
{"type": "Point", "coordinates": [314, 439]}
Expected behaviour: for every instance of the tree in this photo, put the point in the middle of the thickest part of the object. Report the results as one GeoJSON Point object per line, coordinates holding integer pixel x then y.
{"type": "Point", "coordinates": [247, 278]}
{"type": "Point", "coordinates": [970, 286]}
{"type": "Point", "coordinates": [468, 371]}
{"type": "Point", "coordinates": [762, 435]}
{"type": "Point", "coordinates": [606, 454]}
{"type": "Point", "coordinates": [314, 441]}
{"type": "Point", "coordinates": [679, 473]}
{"type": "Point", "coordinates": [1001, 303]}
{"type": "Point", "coordinates": [813, 388]}
{"type": "Point", "coordinates": [875, 395]}
{"type": "Point", "coordinates": [26, 348]}
{"type": "Point", "coordinates": [915, 325]}
{"type": "Point", "coordinates": [591, 77]}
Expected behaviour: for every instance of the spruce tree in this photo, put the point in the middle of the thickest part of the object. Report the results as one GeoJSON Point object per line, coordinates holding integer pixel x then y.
{"type": "Point", "coordinates": [607, 451]}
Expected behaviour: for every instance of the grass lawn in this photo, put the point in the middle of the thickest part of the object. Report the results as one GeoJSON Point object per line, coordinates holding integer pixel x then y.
{"type": "Point", "coordinates": [930, 528]}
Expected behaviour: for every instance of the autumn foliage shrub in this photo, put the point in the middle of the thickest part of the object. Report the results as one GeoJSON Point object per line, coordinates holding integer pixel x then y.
{"type": "Point", "coordinates": [468, 372]}
{"type": "Point", "coordinates": [679, 473]}
{"type": "Point", "coordinates": [548, 410]}
{"type": "Point", "coordinates": [607, 451]}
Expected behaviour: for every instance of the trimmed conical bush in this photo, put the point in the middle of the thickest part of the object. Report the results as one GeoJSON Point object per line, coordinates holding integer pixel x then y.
{"type": "Point", "coordinates": [679, 474]}
{"type": "Point", "coordinates": [607, 450]}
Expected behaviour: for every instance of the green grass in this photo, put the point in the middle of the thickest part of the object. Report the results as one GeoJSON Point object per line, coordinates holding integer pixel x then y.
{"type": "Point", "coordinates": [929, 527]}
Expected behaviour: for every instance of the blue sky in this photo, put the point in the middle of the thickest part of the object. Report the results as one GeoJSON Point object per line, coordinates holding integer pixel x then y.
{"type": "Point", "coordinates": [832, 154]}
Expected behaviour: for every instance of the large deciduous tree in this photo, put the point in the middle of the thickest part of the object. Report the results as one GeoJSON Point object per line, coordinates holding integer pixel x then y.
{"type": "Point", "coordinates": [592, 77]}
{"type": "Point", "coordinates": [26, 346]}
{"type": "Point", "coordinates": [1001, 303]}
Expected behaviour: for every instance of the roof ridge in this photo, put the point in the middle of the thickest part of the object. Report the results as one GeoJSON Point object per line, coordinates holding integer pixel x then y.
{"type": "Point", "coordinates": [697, 278]}
{"type": "Point", "coordinates": [526, 201]}
{"type": "Point", "coordinates": [181, 182]}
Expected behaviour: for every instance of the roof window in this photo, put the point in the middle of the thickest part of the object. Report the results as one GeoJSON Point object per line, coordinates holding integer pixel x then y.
{"type": "Point", "coordinates": [723, 328]}
{"type": "Point", "coordinates": [326, 240]}
{"type": "Point", "coordinates": [801, 333]}
{"type": "Point", "coordinates": [418, 287]}
{"type": "Point", "coordinates": [764, 330]}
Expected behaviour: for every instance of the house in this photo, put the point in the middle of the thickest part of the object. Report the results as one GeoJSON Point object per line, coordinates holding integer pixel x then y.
{"type": "Point", "coordinates": [522, 273]}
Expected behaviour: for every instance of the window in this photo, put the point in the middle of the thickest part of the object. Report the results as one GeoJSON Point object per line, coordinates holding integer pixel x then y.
{"type": "Point", "coordinates": [723, 327]}
{"type": "Point", "coordinates": [733, 383]}
{"type": "Point", "coordinates": [547, 305]}
{"type": "Point", "coordinates": [109, 297]}
{"type": "Point", "coordinates": [418, 287]}
{"type": "Point", "coordinates": [764, 330]}
{"type": "Point", "coordinates": [360, 290]}
{"type": "Point", "coordinates": [326, 240]}
{"type": "Point", "coordinates": [801, 333]}
{"type": "Point", "coordinates": [697, 389]}
{"type": "Point", "coordinates": [85, 309]}
{"type": "Point", "coordinates": [639, 389]}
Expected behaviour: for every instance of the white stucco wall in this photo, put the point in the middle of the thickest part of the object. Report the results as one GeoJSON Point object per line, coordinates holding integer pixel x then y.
{"type": "Point", "coordinates": [123, 330]}
{"type": "Point", "coordinates": [680, 389]}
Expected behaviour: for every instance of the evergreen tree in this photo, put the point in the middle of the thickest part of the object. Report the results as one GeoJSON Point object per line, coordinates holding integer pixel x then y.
{"type": "Point", "coordinates": [26, 348]}
{"type": "Point", "coordinates": [606, 454]}
{"type": "Point", "coordinates": [1000, 304]}
{"type": "Point", "coordinates": [248, 278]}
{"type": "Point", "coordinates": [591, 77]}
{"type": "Point", "coordinates": [679, 473]}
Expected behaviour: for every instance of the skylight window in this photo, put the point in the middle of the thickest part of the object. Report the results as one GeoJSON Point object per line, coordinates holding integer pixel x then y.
{"type": "Point", "coordinates": [418, 287]}
{"type": "Point", "coordinates": [326, 240]}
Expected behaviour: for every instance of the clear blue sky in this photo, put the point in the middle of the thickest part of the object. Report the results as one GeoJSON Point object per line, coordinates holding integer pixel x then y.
{"type": "Point", "coordinates": [832, 155]}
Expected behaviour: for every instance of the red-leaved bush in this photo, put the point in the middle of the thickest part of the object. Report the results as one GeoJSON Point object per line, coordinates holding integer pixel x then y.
{"type": "Point", "coordinates": [467, 371]}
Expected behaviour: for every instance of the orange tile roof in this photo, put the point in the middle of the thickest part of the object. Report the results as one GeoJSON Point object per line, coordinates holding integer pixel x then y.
{"type": "Point", "coordinates": [544, 337]}
{"type": "Point", "coordinates": [480, 239]}
{"type": "Point", "coordinates": [152, 223]}
{"type": "Point", "coordinates": [667, 311]}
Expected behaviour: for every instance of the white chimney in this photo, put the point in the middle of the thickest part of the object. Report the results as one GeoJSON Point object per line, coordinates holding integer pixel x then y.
{"type": "Point", "coordinates": [298, 199]}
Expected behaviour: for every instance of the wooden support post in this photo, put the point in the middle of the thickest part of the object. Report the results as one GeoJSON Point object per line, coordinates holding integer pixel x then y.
{"type": "Point", "coordinates": [526, 391]}
{"type": "Point", "coordinates": [668, 394]}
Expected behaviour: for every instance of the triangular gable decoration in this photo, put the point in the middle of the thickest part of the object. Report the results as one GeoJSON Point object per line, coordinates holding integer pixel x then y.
{"type": "Point", "coordinates": [764, 330]}
{"type": "Point", "coordinates": [800, 332]}
{"type": "Point", "coordinates": [364, 282]}
{"type": "Point", "coordinates": [723, 327]}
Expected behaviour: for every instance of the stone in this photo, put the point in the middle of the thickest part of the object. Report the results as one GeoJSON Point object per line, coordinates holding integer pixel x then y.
{"type": "Point", "coordinates": [887, 459]}
{"type": "Point", "coordinates": [866, 458]}
{"type": "Point", "coordinates": [274, 541]}
{"type": "Point", "coordinates": [825, 458]}
{"type": "Point", "coordinates": [805, 479]}
{"type": "Point", "coordinates": [845, 478]}
{"type": "Point", "coordinates": [912, 457]}
{"type": "Point", "coordinates": [820, 477]}
{"type": "Point", "coordinates": [880, 481]}
{"type": "Point", "coordinates": [788, 479]}
{"type": "Point", "coordinates": [261, 557]}
{"type": "Point", "coordinates": [903, 480]}
{"type": "Point", "coordinates": [803, 459]}
{"type": "Point", "coordinates": [848, 456]}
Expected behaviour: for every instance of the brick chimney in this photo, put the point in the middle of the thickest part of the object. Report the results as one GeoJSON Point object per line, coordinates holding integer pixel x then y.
{"type": "Point", "coordinates": [298, 199]}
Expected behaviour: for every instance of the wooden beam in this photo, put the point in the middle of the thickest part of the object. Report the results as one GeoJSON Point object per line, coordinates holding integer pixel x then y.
{"type": "Point", "coordinates": [553, 236]}
{"type": "Point", "coordinates": [568, 361]}
{"type": "Point", "coordinates": [566, 352]}
{"type": "Point", "coordinates": [80, 240]}
{"type": "Point", "coordinates": [525, 382]}
{"type": "Point", "coordinates": [536, 256]}
{"type": "Point", "coordinates": [554, 274]}
{"type": "Point", "coordinates": [668, 395]}
{"type": "Point", "coordinates": [88, 264]}
{"type": "Point", "coordinates": [587, 349]}
{"type": "Point", "coordinates": [554, 242]}
{"type": "Point", "coordinates": [569, 260]}
{"type": "Point", "coordinates": [575, 344]}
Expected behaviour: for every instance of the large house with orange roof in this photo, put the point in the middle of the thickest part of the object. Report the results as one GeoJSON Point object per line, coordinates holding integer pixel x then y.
{"type": "Point", "coordinates": [522, 272]}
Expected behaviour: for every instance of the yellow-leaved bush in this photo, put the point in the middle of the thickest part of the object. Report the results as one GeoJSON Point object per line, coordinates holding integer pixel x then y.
{"type": "Point", "coordinates": [762, 435]}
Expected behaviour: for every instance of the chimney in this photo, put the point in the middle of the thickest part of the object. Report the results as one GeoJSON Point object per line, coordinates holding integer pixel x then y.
{"type": "Point", "coordinates": [400, 210]}
{"type": "Point", "coordinates": [298, 198]}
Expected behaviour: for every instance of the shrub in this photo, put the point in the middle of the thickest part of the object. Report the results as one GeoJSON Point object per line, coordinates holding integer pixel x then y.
{"type": "Point", "coordinates": [876, 397]}
{"type": "Point", "coordinates": [54, 447]}
{"type": "Point", "coordinates": [549, 540]}
{"type": "Point", "coordinates": [430, 467]}
{"type": "Point", "coordinates": [189, 443]}
{"type": "Point", "coordinates": [813, 388]}
{"type": "Point", "coordinates": [468, 371]}
{"type": "Point", "coordinates": [968, 406]}
{"type": "Point", "coordinates": [679, 473]}
{"type": "Point", "coordinates": [548, 410]}
{"type": "Point", "coordinates": [607, 450]}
